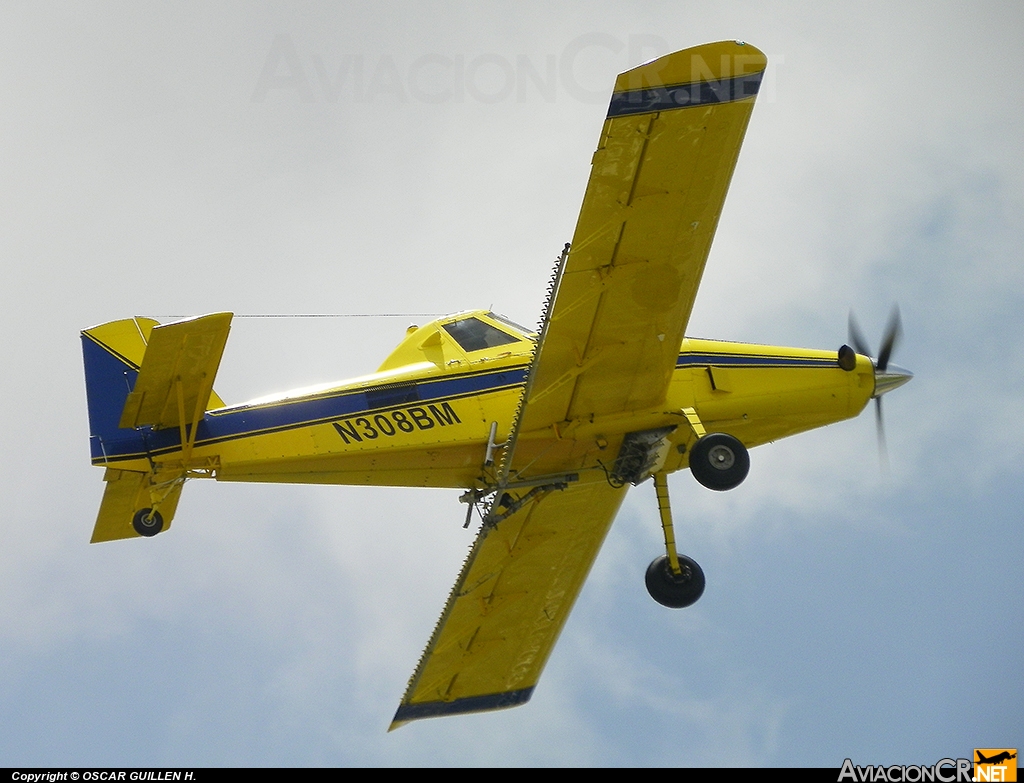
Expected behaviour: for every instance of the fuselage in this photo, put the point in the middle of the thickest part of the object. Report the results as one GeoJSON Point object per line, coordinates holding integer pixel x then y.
{"type": "Point", "coordinates": [425, 417]}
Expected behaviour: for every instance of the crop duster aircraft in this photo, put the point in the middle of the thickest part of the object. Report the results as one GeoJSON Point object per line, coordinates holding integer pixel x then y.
{"type": "Point", "coordinates": [544, 431]}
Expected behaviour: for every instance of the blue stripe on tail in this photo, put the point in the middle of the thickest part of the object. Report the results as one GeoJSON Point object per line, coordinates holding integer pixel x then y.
{"type": "Point", "coordinates": [108, 380]}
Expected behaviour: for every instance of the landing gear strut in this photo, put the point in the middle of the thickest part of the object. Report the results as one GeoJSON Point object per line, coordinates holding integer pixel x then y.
{"type": "Point", "coordinates": [673, 580]}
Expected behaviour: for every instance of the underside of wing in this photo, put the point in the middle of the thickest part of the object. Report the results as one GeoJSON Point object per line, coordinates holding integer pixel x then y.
{"type": "Point", "coordinates": [616, 318]}
{"type": "Point", "coordinates": [510, 602]}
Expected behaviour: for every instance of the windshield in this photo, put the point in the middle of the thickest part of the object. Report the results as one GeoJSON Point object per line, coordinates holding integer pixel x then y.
{"type": "Point", "coordinates": [472, 334]}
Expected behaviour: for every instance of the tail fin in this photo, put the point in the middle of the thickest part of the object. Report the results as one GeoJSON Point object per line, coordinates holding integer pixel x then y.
{"type": "Point", "coordinates": [138, 373]}
{"type": "Point", "coordinates": [113, 354]}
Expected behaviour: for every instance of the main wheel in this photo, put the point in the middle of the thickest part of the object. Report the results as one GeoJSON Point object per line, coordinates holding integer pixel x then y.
{"type": "Point", "coordinates": [719, 461]}
{"type": "Point", "coordinates": [147, 522]}
{"type": "Point", "coordinates": [675, 590]}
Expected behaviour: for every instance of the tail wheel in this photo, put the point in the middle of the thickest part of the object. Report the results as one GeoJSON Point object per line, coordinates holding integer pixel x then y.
{"type": "Point", "coordinates": [675, 591]}
{"type": "Point", "coordinates": [719, 461]}
{"type": "Point", "coordinates": [147, 522]}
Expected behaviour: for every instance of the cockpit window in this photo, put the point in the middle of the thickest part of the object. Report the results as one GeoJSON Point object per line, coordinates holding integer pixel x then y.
{"type": "Point", "coordinates": [472, 334]}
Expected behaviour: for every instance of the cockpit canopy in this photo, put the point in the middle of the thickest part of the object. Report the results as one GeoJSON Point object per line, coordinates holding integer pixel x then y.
{"type": "Point", "coordinates": [460, 339]}
{"type": "Point", "coordinates": [472, 334]}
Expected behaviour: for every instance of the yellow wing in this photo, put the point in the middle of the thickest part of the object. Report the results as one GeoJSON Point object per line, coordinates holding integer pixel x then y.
{"type": "Point", "coordinates": [510, 602]}
{"type": "Point", "coordinates": [616, 318]}
{"type": "Point", "coordinates": [609, 342]}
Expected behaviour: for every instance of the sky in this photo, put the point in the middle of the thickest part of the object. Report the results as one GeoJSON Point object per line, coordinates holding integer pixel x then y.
{"type": "Point", "coordinates": [365, 158]}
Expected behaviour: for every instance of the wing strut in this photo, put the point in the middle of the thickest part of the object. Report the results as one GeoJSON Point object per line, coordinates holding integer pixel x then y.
{"type": "Point", "coordinates": [507, 452]}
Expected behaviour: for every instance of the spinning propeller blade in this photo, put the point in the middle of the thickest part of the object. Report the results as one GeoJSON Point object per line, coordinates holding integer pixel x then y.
{"type": "Point", "coordinates": [886, 378]}
{"type": "Point", "coordinates": [892, 333]}
{"type": "Point", "coordinates": [857, 338]}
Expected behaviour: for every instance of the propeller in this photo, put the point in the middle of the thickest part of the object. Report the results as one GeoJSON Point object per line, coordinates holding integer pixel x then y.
{"type": "Point", "coordinates": [887, 377]}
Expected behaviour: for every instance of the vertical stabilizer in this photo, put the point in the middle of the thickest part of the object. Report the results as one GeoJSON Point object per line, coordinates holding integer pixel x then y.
{"type": "Point", "coordinates": [113, 354]}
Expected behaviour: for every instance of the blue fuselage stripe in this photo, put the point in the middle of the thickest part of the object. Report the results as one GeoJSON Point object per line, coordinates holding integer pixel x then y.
{"type": "Point", "coordinates": [739, 360]}
{"type": "Point", "coordinates": [249, 420]}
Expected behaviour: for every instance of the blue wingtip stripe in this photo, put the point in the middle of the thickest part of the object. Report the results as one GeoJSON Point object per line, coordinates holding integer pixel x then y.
{"type": "Point", "coordinates": [436, 709]}
{"type": "Point", "coordinates": [682, 96]}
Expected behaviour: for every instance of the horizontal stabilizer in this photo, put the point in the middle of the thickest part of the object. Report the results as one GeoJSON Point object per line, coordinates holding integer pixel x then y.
{"type": "Point", "coordinates": [177, 372]}
{"type": "Point", "coordinates": [128, 492]}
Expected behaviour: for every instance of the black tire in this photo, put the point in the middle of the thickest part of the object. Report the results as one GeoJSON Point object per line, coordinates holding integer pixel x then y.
{"type": "Point", "coordinates": [719, 461]}
{"type": "Point", "coordinates": [147, 522]}
{"type": "Point", "coordinates": [675, 591]}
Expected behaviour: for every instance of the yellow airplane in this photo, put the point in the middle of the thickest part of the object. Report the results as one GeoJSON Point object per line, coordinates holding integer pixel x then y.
{"type": "Point", "coordinates": [543, 431]}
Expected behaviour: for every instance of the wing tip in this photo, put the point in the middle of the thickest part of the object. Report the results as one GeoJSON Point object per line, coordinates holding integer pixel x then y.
{"type": "Point", "coordinates": [407, 713]}
{"type": "Point", "coordinates": [711, 61]}
{"type": "Point", "coordinates": [718, 73]}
